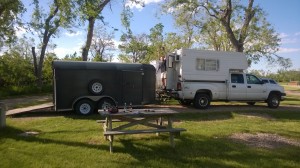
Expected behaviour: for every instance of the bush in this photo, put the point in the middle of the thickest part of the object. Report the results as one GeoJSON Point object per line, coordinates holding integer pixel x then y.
{"type": "Point", "coordinates": [11, 91]}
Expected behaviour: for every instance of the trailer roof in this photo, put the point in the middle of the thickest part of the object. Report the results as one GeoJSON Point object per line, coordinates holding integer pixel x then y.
{"type": "Point", "coordinates": [58, 64]}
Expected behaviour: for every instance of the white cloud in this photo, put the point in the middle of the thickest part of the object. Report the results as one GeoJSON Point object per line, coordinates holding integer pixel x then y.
{"type": "Point", "coordinates": [289, 41]}
{"type": "Point", "coordinates": [117, 43]}
{"type": "Point", "coordinates": [297, 34]}
{"type": "Point", "coordinates": [63, 51]}
{"type": "Point", "coordinates": [139, 6]}
{"type": "Point", "coordinates": [20, 31]}
{"type": "Point", "coordinates": [72, 34]}
{"type": "Point", "coordinates": [288, 50]}
{"type": "Point", "coordinates": [283, 35]}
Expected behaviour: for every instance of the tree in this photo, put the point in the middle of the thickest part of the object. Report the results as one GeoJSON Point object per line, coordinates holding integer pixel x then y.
{"type": "Point", "coordinates": [245, 27]}
{"type": "Point", "coordinates": [90, 10]}
{"type": "Point", "coordinates": [134, 48]}
{"type": "Point", "coordinates": [156, 37]}
{"type": "Point", "coordinates": [72, 57]}
{"type": "Point", "coordinates": [102, 44]}
{"type": "Point", "coordinates": [9, 11]}
{"type": "Point", "coordinates": [47, 25]}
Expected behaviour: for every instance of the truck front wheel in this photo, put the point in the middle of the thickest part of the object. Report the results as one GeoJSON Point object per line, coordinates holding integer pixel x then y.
{"type": "Point", "coordinates": [273, 101]}
{"type": "Point", "coordinates": [84, 107]}
{"type": "Point", "coordinates": [202, 101]}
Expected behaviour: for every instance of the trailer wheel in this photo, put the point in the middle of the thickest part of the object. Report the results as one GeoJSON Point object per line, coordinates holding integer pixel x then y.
{"type": "Point", "coordinates": [84, 107]}
{"type": "Point", "coordinates": [95, 87]}
{"type": "Point", "coordinates": [273, 100]}
{"type": "Point", "coordinates": [106, 103]}
{"type": "Point", "coordinates": [202, 101]}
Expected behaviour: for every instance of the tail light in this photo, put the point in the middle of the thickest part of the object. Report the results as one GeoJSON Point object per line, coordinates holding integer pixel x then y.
{"type": "Point", "coordinates": [179, 86]}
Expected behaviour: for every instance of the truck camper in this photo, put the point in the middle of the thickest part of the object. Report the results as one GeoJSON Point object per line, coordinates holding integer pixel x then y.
{"type": "Point", "coordinates": [201, 76]}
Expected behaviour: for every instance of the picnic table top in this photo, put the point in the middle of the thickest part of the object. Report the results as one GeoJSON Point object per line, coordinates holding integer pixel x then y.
{"type": "Point", "coordinates": [139, 112]}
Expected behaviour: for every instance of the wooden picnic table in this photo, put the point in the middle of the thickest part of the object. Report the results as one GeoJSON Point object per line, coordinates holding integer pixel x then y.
{"type": "Point", "coordinates": [151, 118]}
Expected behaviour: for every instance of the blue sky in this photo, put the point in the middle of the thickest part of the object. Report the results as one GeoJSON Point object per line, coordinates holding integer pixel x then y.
{"type": "Point", "coordinates": [284, 15]}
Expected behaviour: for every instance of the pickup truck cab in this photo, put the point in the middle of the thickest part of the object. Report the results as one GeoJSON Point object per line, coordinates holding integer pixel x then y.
{"type": "Point", "coordinates": [241, 87]}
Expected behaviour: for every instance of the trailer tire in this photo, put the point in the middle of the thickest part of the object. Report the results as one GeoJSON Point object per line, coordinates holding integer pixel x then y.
{"type": "Point", "coordinates": [84, 107]}
{"type": "Point", "coordinates": [202, 101]}
{"type": "Point", "coordinates": [106, 102]}
{"type": "Point", "coordinates": [273, 100]}
{"type": "Point", "coordinates": [95, 87]}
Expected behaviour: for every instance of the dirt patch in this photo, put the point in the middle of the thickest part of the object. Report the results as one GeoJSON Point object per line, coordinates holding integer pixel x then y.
{"type": "Point", "coordinates": [29, 133]}
{"type": "Point", "coordinates": [253, 115]}
{"type": "Point", "coordinates": [25, 100]}
{"type": "Point", "coordinates": [263, 140]}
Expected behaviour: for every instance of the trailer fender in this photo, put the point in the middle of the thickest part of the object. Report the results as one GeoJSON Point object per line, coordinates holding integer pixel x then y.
{"type": "Point", "coordinates": [95, 99]}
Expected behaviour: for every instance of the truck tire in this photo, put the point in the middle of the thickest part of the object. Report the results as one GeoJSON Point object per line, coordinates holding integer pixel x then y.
{"type": "Point", "coordinates": [202, 101]}
{"type": "Point", "coordinates": [106, 102]}
{"type": "Point", "coordinates": [84, 107]}
{"type": "Point", "coordinates": [95, 87]}
{"type": "Point", "coordinates": [273, 100]}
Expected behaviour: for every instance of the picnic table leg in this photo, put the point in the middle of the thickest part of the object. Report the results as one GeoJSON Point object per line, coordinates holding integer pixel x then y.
{"type": "Point", "coordinates": [159, 121]}
{"type": "Point", "coordinates": [171, 134]}
{"type": "Point", "coordinates": [111, 137]}
{"type": "Point", "coordinates": [111, 140]}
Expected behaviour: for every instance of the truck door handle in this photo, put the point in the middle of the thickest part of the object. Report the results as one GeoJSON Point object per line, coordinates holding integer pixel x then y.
{"type": "Point", "coordinates": [248, 86]}
{"type": "Point", "coordinates": [234, 86]}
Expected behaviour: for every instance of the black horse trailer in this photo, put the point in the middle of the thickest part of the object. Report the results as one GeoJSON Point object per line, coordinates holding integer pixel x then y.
{"type": "Point", "coordinates": [89, 86]}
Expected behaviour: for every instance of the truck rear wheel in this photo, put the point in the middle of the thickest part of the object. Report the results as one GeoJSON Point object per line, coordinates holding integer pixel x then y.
{"type": "Point", "coordinates": [273, 100]}
{"type": "Point", "coordinates": [84, 107]}
{"type": "Point", "coordinates": [202, 101]}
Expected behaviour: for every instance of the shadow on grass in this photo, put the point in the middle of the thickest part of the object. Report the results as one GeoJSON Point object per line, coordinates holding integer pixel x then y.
{"type": "Point", "coordinates": [200, 151]}
{"type": "Point", "coordinates": [14, 133]}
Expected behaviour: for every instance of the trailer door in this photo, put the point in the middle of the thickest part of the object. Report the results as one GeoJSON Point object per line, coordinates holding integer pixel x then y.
{"type": "Point", "coordinates": [132, 91]}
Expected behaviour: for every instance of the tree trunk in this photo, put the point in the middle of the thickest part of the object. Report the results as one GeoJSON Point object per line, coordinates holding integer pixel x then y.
{"type": "Point", "coordinates": [34, 62]}
{"type": "Point", "coordinates": [42, 56]}
{"type": "Point", "coordinates": [86, 48]}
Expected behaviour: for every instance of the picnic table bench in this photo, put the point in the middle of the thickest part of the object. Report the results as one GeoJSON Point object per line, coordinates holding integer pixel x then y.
{"type": "Point", "coordinates": [152, 119]}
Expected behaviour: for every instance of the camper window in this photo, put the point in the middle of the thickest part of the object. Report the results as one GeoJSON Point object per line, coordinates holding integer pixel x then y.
{"type": "Point", "coordinates": [207, 64]}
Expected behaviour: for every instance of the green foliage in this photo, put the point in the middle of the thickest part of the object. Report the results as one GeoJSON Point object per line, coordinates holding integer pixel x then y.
{"type": "Point", "coordinates": [72, 57]}
{"type": "Point", "coordinates": [134, 48]}
{"type": "Point", "coordinates": [47, 70]}
{"type": "Point", "coordinates": [280, 75]}
{"type": "Point", "coordinates": [9, 19]}
{"type": "Point", "coordinates": [15, 70]}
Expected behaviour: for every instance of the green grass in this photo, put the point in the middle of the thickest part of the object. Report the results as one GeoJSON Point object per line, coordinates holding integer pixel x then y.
{"type": "Point", "coordinates": [74, 141]}
{"type": "Point", "coordinates": [291, 88]}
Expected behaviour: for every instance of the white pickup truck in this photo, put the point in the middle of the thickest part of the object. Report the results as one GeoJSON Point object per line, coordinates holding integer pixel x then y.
{"type": "Point", "coordinates": [199, 77]}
